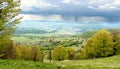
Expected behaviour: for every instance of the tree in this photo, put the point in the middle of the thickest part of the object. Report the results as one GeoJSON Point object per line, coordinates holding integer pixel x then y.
{"type": "Point", "coordinates": [100, 45]}
{"type": "Point", "coordinates": [88, 51]}
{"type": "Point", "coordinates": [71, 53]}
{"type": "Point", "coordinates": [12, 52]}
{"type": "Point", "coordinates": [25, 52]}
{"type": "Point", "coordinates": [116, 42]}
{"type": "Point", "coordinates": [59, 53]}
{"type": "Point", "coordinates": [50, 54]}
{"type": "Point", "coordinates": [36, 54]}
{"type": "Point", "coordinates": [9, 10]}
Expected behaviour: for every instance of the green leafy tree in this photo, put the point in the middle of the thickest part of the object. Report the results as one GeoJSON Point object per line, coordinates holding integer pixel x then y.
{"type": "Point", "coordinates": [116, 42]}
{"type": "Point", "coordinates": [36, 54]}
{"type": "Point", "coordinates": [12, 52]}
{"type": "Point", "coordinates": [59, 53]}
{"type": "Point", "coordinates": [9, 10]}
{"type": "Point", "coordinates": [100, 45]}
{"type": "Point", "coordinates": [88, 50]}
{"type": "Point", "coordinates": [71, 53]}
{"type": "Point", "coordinates": [25, 52]}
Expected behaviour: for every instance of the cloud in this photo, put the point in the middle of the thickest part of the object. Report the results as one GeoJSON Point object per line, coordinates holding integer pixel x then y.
{"type": "Point", "coordinates": [66, 1]}
{"type": "Point", "coordinates": [111, 5]}
{"type": "Point", "coordinates": [76, 10]}
{"type": "Point", "coordinates": [92, 19]}
{"type": "Point", "coordinates": [73, 2]}
{"type": "Point", "coordinates": [31, 4]}
{"type": "Point", "coordinates": [117, 2]}
{"type": "Point", "coordinates": [41, 17]}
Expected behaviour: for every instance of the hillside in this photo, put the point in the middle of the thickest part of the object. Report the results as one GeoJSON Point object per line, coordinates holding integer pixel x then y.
{"type": "Point", "coordinates": [22, 64]}
{"type": "Point", "coordinates": [102, 63]}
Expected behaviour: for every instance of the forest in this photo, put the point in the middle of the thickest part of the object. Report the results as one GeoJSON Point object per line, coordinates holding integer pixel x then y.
{"type": "Point", "coordinates": [101, 43]}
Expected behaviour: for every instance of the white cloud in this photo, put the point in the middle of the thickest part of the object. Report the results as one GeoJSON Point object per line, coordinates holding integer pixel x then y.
{"type": "Point", "coordinates": [91, 2]}
{"type": "Point", "coordinates": [92, 19]}
{"type": "Point", "coordinates": [40, 17]}
{"type": "Point", "coordinates": [117, 2]}
{"type": "Point", "coordinates": [31, 4]}
{"type": "Point", "coordinates": [74, 2]}
{"type": "Point", "coordinates": [106, 7]}
{"type": "Point", "coordinates": [104, 4]}
{"type": "Point", "coordinates": [111, 6]}
{"type": "Point", "coordinates": [66, 1]}
{"type": "Point", "coordinates": [89, 6]}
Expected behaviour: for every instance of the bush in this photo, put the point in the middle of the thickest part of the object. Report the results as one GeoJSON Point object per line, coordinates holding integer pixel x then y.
{"type": "Point", "coordinates": [100, 45]}
{"type": "Point", "coordinates": [59, 53]}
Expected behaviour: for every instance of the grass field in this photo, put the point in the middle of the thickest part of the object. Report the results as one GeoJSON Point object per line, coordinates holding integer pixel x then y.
{"type": "Point", "coordinates": [22, 64]}
{"type": "Point", "coordinates": [101, 63]}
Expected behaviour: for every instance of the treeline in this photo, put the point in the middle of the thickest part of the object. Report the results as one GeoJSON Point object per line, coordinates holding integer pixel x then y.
{"type": "Point", "coordinates": [49, 41]}
{"type": "Point", "coordinates": [36, 53]}
{"type": "Point", "coordinates": [33, 53]}
{"type": "Point", "coordinates": [102, 44]}
{"type": "Point", "coordinates": [89, 34]}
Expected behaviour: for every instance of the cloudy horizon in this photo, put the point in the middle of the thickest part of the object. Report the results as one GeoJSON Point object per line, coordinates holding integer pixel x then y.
{"type": "Point", "coordinates": [71, 10]}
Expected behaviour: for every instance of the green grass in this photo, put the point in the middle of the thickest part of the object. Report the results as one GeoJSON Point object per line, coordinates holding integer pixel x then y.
{"type": "Point", "coordinates": [101, 63]}
{"type": "Point", "coordinates": [22, 64]}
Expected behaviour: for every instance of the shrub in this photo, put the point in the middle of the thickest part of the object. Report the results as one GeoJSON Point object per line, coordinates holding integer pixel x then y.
{"type": "Point", "coordinates": [59, 53]}
{"type": "Point", "coordinates": [100, 45]}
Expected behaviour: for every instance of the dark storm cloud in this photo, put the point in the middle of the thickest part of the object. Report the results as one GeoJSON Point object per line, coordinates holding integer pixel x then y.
{"type": "Point", "coordinates": [108, 9]}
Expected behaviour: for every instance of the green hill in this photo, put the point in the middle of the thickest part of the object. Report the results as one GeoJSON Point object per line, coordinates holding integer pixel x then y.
{"type": "Point", "coordinates": [101, 63]}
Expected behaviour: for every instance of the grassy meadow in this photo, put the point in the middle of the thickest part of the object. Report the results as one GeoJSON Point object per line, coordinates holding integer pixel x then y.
{"type": "Point", "coordinates": [22, 64]}
{"type": "Point", "coordinates": [101, 63]}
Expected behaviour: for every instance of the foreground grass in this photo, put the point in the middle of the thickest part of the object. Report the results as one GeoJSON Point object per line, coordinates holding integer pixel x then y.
{"type": "Point", "coordinates": [22, 64]}
{"type": "Point", "coordinates": [101, 63]}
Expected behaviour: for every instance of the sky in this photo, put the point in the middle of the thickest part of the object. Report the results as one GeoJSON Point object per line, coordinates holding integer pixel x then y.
{"type": "Point", "coordinates": [71, 10]}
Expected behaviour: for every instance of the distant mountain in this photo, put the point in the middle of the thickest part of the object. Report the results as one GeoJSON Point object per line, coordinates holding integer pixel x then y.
{"type": "Point", "coordinates": [61, 27]}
